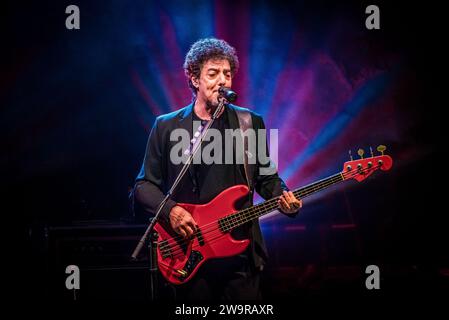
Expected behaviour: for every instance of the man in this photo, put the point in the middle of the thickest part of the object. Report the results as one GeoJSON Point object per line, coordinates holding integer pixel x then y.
{"type": "Point", "coordinates": [209, 65]}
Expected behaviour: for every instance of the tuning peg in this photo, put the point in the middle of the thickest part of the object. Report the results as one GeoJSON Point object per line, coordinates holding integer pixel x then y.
{"type": "Point", "coordinates": [360, 152]}
{"type": "Point", "coordinates": [381, 149]}
{"type": "Point", "coordinates": [350, 155]}
{"type": "Point", "coordinates": [371, 151]}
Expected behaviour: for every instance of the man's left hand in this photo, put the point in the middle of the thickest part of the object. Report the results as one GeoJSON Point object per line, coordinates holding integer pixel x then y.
{"type": "Point", "coordinates": [288, 203]}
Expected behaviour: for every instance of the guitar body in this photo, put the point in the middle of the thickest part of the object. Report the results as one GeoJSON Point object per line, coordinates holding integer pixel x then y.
{"type": "Point", "coordinates": [180, 259]}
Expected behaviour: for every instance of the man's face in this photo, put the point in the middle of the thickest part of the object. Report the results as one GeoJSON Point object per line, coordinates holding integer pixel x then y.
{"type": "Point", "coordinates": [214, 74]}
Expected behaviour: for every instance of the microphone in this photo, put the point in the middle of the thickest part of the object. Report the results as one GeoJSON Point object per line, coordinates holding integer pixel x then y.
{"type": "Point", "coordinates": [227, 93]}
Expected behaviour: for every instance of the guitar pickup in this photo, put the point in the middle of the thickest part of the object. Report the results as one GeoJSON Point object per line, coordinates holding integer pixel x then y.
{"type": "Point", "coordinates": [199, 236]}
{"type": "Point", "coordinates": [165, 249]}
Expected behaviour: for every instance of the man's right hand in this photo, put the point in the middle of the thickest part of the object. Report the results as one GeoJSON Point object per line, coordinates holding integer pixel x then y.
{"type": "Point", "coordinates": [182, 222]}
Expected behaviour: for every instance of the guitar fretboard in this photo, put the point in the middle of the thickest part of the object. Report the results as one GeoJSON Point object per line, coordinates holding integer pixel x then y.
{"type": "Point", "coordinates": [237, 219]}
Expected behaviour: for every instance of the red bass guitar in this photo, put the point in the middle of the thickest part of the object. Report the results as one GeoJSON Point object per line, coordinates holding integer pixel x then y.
{"type": "Point", "coordinates": [179, 259]}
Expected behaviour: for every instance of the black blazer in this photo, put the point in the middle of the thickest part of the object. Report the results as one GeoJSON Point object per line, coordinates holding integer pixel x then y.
{"type": "Point", "coordinates": [158, 173]}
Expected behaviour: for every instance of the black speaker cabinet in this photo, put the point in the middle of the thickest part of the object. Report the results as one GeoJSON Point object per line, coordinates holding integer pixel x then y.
{"type": "Point", "coordinates": [101, 250]}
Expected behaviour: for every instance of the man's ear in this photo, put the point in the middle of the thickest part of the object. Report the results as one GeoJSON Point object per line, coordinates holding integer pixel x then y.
{"type": "Point", "coordinates": [195, 82]}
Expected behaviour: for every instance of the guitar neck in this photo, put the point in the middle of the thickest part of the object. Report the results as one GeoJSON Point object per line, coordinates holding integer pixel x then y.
{"type": "Point", "coordinates": [237, 219]}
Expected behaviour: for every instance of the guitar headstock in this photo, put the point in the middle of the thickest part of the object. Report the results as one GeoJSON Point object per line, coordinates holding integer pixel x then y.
{"type": "Point", "coordinates": [362, 168]}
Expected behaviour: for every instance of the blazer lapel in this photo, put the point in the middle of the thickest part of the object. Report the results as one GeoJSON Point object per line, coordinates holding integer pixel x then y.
{"type": "Point", "coordinates": [186, 122]}
{"type": "Point", "coordinates": [233, 121]}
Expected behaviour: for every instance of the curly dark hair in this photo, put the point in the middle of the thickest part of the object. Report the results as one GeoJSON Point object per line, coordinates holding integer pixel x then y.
{"type": "Point", "coordinates": [204, 50]}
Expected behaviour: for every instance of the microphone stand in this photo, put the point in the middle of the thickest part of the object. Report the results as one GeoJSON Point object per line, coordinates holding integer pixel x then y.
{"type": "Point", "coordinates": [154, 236]}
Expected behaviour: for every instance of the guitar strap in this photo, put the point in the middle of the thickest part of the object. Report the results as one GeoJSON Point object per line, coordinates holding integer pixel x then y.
{"type": "Point", "coordinates": [246, 122]}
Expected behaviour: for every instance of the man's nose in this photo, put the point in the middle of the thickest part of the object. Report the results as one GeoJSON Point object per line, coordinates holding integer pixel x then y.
{"type": "Point", "coordinates": [222, 80]}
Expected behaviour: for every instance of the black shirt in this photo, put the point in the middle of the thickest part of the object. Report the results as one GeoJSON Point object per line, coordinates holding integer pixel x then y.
{"type": "Point", "coordinates": [213, 178]}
